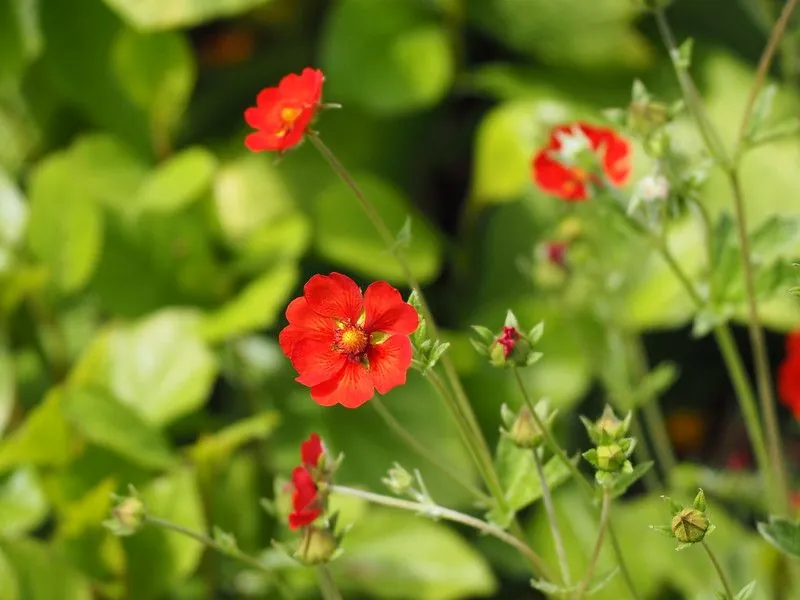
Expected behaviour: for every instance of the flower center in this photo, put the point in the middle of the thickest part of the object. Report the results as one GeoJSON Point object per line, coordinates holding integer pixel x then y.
{"type": "Point", "coordinates": [352, 340]}
{"type": "Point", "coordinates": [288, 115]}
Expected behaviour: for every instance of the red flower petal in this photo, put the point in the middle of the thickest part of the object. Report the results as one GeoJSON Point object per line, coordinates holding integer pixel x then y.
{"type": "Point", "coordinates": [305, 88]}
{"type": "Point", "coordinates": [789, 384]}
{"type": "Point", "coordinates": [311, 450]}
{"type": "Point", "coordinates": [260, 141]}
{"type": "Point", "coordinates": [316, 361]}
{"type": "Point", "coordinates": [389, 362]}
{"type": "Point", "coordinates": [556, 179]}
{"type": "Point", "coordinates": [302, 518]}
{"type": "Point", "coordinates": [304, 323]}
{"type": "Point", "coordinates": [335, 296]}
{"type": "Point", "coordinates": [351, 388]}
{"type": "Point", "coordinates": [386, 310]}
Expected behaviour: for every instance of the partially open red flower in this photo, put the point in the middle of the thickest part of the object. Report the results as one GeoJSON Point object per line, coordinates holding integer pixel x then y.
{"type": "Point", "coordinates": [570, 183]}
{"type": "Point", "coordinates": [304, 499]}
{"type": "Point", "coordinates": [311, 450]}
{"type": "Point", "coordinates": [508, 339]}
{"type": "Point", "coordinates": [282, 114]}
{"type": "Point", "coordinates": [346, 345]}
{"type": "Point", "coordinates": [789, 383]}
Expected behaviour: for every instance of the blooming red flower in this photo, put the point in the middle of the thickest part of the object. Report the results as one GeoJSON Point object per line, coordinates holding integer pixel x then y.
{"type": "Point", "coordinates": [304, 499]}
{"type": "Point", "coordinates": [570, 183]}
{"type": "Point", "coordinates": [346, 345]}
{"type": "Point", "coordinates": [282, 114]}
{"type": "Point", "coordinates": [508, 339]}
{"type": "Point", "coordinates": [311, 450]}
{"type": "Point", "coordinates": [789, 383]}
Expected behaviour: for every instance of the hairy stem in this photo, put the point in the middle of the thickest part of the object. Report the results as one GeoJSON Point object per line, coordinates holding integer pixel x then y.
{"type": "Point", "coordinates": [718, 569]}
{"type": "Point", "coordinates": [550, 509]}
{"type": "Point", "coordinates": [605, 515]}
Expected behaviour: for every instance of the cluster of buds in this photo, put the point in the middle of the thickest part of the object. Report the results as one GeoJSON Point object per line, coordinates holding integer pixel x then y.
{"type": "Point", "coordinates": [510, 347]}
{"type": "Point", "coordinates": [427, 352]}
{"type": "Point", "coordinates": [613, 448]}
{"type": "Point", "coordinates": [690, 524]}
{"type": "Point", "coordinates": [128, 514]}
{"type": "Point", "coordinates": [522, 428]}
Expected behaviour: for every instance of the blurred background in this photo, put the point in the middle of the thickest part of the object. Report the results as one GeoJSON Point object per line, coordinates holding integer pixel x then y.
{"type": "Point", "coordinates": [146, 259]}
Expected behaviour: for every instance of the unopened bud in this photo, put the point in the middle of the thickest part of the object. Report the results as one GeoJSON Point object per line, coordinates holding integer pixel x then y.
{"type": "Point", "coordinates": [689, 526]}
{"type": "Point", "coordinates": [398, 480]}
{"type": "Point", "coordinates": [127, 517]}
{"type": "Point", "coordinates": [610, 457]}
{"type": "Point", "coordinates": [525, 433]}
{"type": "Point", "coordinates": [317, 546]}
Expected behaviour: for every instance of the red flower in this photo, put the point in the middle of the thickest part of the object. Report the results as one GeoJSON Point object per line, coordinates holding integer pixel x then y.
{"type": "Point", "coordinates": [508, 339]}
{"type": "Point", "coordinates": [570, 183]}
{"type": "Point", "coordinates": [789, 383]}
{"type": "Point", "coordinates": [556, 253]}
{"type": "Point", "coordinates": [304, 499]}
{"type": "Point", "coordinates": [283, 113]}
{"type": "Point", "coordinates": [311, 451]}
{"type": "Point", "coordinates": [345, 345]}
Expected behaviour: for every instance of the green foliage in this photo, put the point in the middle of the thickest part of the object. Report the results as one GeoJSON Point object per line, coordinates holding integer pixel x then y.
{"type": "Point", "coordinates": [783, 534]}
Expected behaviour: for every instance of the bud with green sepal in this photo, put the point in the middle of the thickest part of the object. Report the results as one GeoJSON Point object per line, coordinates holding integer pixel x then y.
{"type": "Point", "coordinates": [511, 347]}
{"type": "Point", "coordinates": [611, 455]}
{"type": "Point", "coordinates": [318, 545]}
{"type": "Point", "coordinates": [128, 515]}
{"type": "Point", "coordinates": [427, 352]}
{"type": "Point", "coordinates": [608, 428]}
{"type": "Point", "coordinates": [690, 524]}
{"type": "Point", "coordinates": [399, 481]}
{"type": "Point", "coordinates": [522, 429]}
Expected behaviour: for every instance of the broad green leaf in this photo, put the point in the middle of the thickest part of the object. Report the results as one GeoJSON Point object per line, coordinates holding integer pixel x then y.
{"type": "Point", "coordinates": [178, 182]}
{"type": "Point", "coordinates": [387, 58]}
{"type": "Point", "coordinates": [158, 559]}
{"type": "Point", "coordinates": [77, 60]}
{"type": "Point", "coordinates": [153, 15]}
{"type": "Point", "coordinates": [520, 479]}
{"type": "Point", "coordinates": [42, 574]}
{"type": "Point", "coordinates": [158, 73]}
{"type": "Point", "coordinates": [384, 559]}
{"type": "Point", "coordinates": [88, 512]}
{"type": "Point", "coordinates": [44, 438]}
{"type": "Point", "coordinates": [159, 366]}
{"type": "Point", "coordinates": [345, 235]}
{"type": "Point", "coordinates": [220, 445]}
{"type": "Point", "coordinates": [115, 426]}
{"type": "Point", "coordinates": [9, 586]}
{"type": "Point", "coordinates": [65, 227]}
{"type": "Point", "coordinates": [256, 307]}
{"type": "Point", "coordinates": [7, 385]}
{"type": "Point", "coordinates": [783, 534]}
{"type": "Point", "coordinates": [23, 505]}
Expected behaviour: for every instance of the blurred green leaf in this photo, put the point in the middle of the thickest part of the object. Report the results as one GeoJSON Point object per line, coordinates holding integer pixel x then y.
{"type": "Point", "coordinates": [345, 235]}
{"type": "Point", "coordinates": [13, 220]}
{"type": "Point", "coordinates": [385, 559]}
{"type": "Point", "coordinates": [18, 130]}
{"type": "Point", "coordinates": [9, 587]}
{"type": "Point", "coordinates": [23, 505]}
{"type": "Point", "coordinates": [520, 480]}
{"type": "Point", "coordinates": [159, 365]}
{"type": "Point", "coordinates": [44, 438]}
{"type": "Point", "coordinates": [42, 574]}
{"type": "Point", "coordinates": [159, 559]}
{"type": "Point", "coordinates": [66, 227]}
{"type": "Point", "coordinates": [20, 38]}
{"type": "Point", "coordinates": [256, 307]}
{"type": "Point", "coordinates": [158, 73]}
{"type": "Point", "coordinates": [746, 592]}
{"type": "Point", "coordinates": [177, 182]}
{"type": "Point", "coordinates": [87, 512]}
{"type": "Point", "coordinates": [388, 58]}
{"type": "Point", "coordinates": [783, 534]}
{"type": "Point", "coordinates": [152, 15]}
{"type": "Point", "coordinates": [219, 446]}
{"type": "Point", "coordinates": [624, 481]}
{"type": "Point", "coordinates": [107, 422]}
{"type": "Point", "coordinates": [8, 387]}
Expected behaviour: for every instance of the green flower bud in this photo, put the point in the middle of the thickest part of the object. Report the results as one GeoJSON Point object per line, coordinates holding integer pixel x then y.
{"type": "Point", "coordinates": [689, 526]}
{"type": "Point", "coordinates": [525, 433]}
{"type": "Point", "coordinates": [127, 517]}
{"type": "Point", "coordinates": [398, 480]}
{"type": "Point", "coordinates": [317, 546]}
{"type": "Point", "coordinates": [610, 457]}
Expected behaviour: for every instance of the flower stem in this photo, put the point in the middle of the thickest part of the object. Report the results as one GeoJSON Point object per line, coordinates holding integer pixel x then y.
{"type": "Point", "coordinates": [326, 584]}
{"type": "Point", "coordinates": [415, 445]}
{"type": "Point", "coordinates": [718, 569]}
{"type": "Point", "coordinates": [605, 515]}
{"type": "Point", "coordinates": [550, 509]}
{"type": "Point", "coordinates": [208, 542]}
{"type": "Point", "coordinates": [438, 512]}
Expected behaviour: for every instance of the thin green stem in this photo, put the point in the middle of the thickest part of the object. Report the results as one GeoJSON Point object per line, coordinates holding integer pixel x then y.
{"type": "Point", "coordinates": [326, 584]}
{"type": "Point", "coordinates": [550, 509]}
{"type": "Point", "coordinates": [434, 511]}
{"type": "Point", "coordinates": [605, 515]}
{"type": "Point", "coordinates": [718, 569]}
{"type": "Point", "coordinates": [408, 437]}
{"type": "Point", "coordinates": [208, 542]}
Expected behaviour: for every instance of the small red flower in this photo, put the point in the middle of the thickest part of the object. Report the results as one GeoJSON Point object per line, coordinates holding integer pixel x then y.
{"type": "Point", "coordinates": [789, 383]}
{"type": "Point", "coordinates": [346, 345]}
{"type": "Point", "coordinates": [283, 113]}
{"type": "Point", "coordinates": [311, 450]}
{"type": "Point", "coordinates": [570, 183]}
{"type": "Point", "coordinates": [508, 339]}
{"type": "Point", "coordinates": [556, 253]}
{"type": "Point", "coordinates": [304, 499]}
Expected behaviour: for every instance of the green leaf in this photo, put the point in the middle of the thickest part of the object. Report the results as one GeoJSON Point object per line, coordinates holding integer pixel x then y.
{"type": "Point", "coordinates": [7, 386]}
{"type": "Point", "coordinates": [152, 15]}
{"type": "Point", "coordinates": [178, 182]}
{"type": "Point", "coordinates": [625, 480]}
{"type": "Point", "coordinates": [13, 217]}
{"type": "Point", "coordinates": [44, 438]}
{"type": "Point", "coordinates": [219, 446]}
{"type": "Point", "coordinates": [387, 58]}
{"type": "Point", "coordinates": [159, 559]}
{"type": "Point", "coordinates": [384, 559]}
{"type": "Point", "coordinates": [23, 505]}
{"type": "Point", "coordinates": [158, 73]}
{"type": "Point", "coordinates": [159, 366]}
{"type": "Point", "coordinates": [777, 237]}
{"type": "Point", "coordinates": [345, 235]}
{"type": "Point", "coordinates": [9, 586]}
{"type": "Point", "coordinates": [117, 427]}
{"type": "Point", "coordinates": [85, 514]}
{"type": "Point", "coordinates": [783, 534]}
{"type": "Point", "coordinates": [42, 574]}
{"type": "Point", "coordinates": [257, 306]}
{"type": "Point", "coordinates": [746, 592]}
{"type": "Point", "coordinates": [18, 128]}
{"type": "Point", "coordinates": [66, 227]}
{"type": "Point", "coordinates": [655, 383]}
{"type": "Point", "coordinates": [20, 39]}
